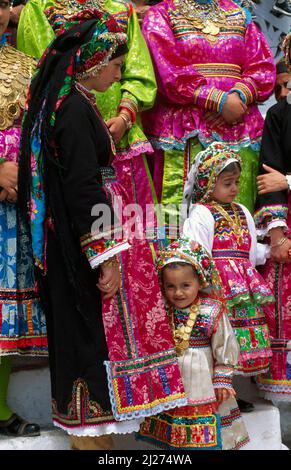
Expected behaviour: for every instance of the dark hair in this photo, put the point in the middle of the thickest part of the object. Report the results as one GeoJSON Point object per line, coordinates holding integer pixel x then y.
{"type": "Point", "coordinates": [233, 167]}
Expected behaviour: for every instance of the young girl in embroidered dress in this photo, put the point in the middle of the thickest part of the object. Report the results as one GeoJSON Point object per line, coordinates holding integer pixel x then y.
{"type": "Point", "coordinates": [227, 230]}
{"type": "Point", "coordinates": [207, 350]}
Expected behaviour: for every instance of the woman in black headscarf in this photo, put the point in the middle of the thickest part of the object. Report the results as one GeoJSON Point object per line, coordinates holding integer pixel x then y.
{"type": "Point", "coordinates": [64, 144]}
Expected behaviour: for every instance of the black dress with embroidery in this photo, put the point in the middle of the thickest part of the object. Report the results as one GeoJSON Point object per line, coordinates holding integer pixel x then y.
{"type": "Point", "coordinates": [77, 346]}
{"type": "Point", "coordinates": [276, 148]}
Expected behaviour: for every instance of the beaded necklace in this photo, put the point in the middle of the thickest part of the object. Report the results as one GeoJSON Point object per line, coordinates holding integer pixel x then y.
{"type": "Point", "coordinates": [73, 5]}
{"type": "Point", "coordinates": [182, 334]}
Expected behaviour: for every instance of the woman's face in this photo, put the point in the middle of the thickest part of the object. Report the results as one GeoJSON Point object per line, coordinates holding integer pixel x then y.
{"type": "Point", "coordinates": [108, 75]}
{"type": "Point", "coordinates": [4, 16]}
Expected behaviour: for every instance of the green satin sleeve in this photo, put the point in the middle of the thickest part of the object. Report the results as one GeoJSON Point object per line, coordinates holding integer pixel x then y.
{"type": "Point", "coordinates": [34, 32]}
{"type": "Point", "coordinates": [138, 77]}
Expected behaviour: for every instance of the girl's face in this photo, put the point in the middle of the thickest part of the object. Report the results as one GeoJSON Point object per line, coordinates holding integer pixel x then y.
{"type": "Point", "coordinates": [181, 285]}
{"type": "Point", "coordinates": [108, 75]}
{"type": "Point", "coordinates": [4, 15]}
{"type": "Point", "coordinates": [227, 187]}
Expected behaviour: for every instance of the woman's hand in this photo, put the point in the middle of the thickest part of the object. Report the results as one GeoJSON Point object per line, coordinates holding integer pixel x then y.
{"type": "Point", "coordinates": [117, 128]}
{"type": "Point", "coordinates": [10, 195]}
{"type": "Point", "coordinates": [233, 109]}
{"type": "Point", "coordinates": [109, 281]}
{"type": "Point", "coordinates": [272, 181]}
{"type": "Point", "coordinates": [223, 394]}
{"type": "Point", "coordinates": [8, 175]}
{"type": "Point", "coordinates": [279, 254]}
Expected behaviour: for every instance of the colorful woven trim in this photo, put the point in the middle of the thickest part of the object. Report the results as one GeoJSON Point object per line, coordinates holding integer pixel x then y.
{"type": "Point", "coordinates": [227, 420]}
{"type": "Point", "coordinates": [273, 388]}
{"type": "Point", "coordinates": [98, 249]}
{"type": "Point", "coordinates": [219, 70]}
{"type": "Point", "coordinates": [228, 254]}
{"type": "Point", "coordinates": [222, 376]}
{"type": "Point", "coordinates": [34, 345]}
{"type": "Point", "coordinates": [268, 214]}
{"type": "Point", "coordinates": [174, 431]}
{"type": "Point", "coordinates": [199, 342]}
{"type": "Point", "coordinates": [149, 375]}
{"type": "Point", "coordinates": [209, 98]}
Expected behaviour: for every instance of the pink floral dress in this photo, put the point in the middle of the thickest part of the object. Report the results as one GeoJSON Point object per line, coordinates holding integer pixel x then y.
{"type": "Point", "coordinates": [244, 289]}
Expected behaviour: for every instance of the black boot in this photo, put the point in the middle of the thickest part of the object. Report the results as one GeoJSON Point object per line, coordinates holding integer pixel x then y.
{"type": "Point", "coordinates": [245, 406]}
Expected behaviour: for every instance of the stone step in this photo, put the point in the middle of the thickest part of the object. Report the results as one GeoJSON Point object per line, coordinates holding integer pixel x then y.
{"type": "Point", "coordinates": [264, 434]}
{"type": "Point", "coordinates": [29, 396]}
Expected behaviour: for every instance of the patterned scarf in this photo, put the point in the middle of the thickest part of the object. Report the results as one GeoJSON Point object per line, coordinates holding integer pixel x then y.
{"type": "Point", "coordinates": [203, 175]}
{"type": "Point", "coordinates": [84, 44]}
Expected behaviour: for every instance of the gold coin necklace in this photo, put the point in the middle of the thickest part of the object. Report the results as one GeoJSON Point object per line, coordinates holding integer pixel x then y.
{"type": "Point", "coordinates": [182, 333]}
{"type": "Point", "coordinates": [206, 16]}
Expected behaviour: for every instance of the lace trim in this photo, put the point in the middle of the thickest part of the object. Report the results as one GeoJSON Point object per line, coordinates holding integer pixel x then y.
{"type": "Point", "coordinates": [102, 429]}
{"type": "Point", "coordinates": [257, 299]}
{"type": "Point", "coordinates": [251, 374]}
{"type": "Point", "coordinates": [172, 144]}
{"type": "Point", "coordinates": [133, 151]}
{"type": "Point", "coordinates": [109, 254]}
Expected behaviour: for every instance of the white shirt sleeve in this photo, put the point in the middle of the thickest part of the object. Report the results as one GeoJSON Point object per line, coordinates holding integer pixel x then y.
{"type": "Point", "coordinates": [258, 252]}
{"type": "Point", "coordinates": [199, 226]}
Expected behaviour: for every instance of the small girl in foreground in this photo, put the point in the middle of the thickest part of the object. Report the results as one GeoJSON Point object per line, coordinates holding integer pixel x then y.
{"type": "Point", "coordinates": [227, 230]}
{"type": "Point", "coordinates": [207, 350]}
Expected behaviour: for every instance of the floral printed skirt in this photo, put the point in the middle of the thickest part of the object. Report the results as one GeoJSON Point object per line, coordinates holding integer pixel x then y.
{"type": "Point", "coordinates": [22, 320]}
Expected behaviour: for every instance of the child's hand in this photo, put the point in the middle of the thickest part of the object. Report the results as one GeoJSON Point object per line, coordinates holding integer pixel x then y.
{"type": "Point", "coordinates": [223, 394]}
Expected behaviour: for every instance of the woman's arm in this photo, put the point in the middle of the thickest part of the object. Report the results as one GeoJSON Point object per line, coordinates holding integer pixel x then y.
{"type": "Point", "coordinates": [258, 68]}
{"type": "Point", "coordinates": [81, 139]}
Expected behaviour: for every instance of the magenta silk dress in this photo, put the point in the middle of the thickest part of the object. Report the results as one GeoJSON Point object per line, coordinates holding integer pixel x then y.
{"type": "Point", "coordinates": [194, 72]}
